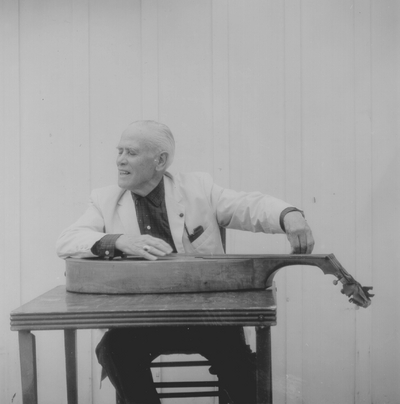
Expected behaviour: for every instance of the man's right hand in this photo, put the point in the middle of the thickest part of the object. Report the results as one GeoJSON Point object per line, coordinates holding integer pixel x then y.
{"type": "Point", "coordinates": [146, 246]}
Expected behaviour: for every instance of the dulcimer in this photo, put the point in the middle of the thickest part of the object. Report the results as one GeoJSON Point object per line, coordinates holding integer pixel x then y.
{"type": "Point", "coordinates": [178, 273]}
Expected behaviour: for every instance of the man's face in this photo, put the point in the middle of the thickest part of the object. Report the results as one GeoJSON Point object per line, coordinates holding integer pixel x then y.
{"type": "Point", "coordinates": [136, 162]}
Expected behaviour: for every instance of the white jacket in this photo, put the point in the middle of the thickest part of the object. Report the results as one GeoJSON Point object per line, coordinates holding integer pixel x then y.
{"type": "Point", "coordinates": [192, 199]}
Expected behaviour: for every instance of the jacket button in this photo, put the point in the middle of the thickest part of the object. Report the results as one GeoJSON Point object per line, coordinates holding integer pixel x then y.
{"type": "Point", "coordinates": [180, 214]}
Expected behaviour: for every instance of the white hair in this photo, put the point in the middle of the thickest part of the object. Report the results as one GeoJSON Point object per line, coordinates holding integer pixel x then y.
{"type": "Point", "coordinates": [159, 137]}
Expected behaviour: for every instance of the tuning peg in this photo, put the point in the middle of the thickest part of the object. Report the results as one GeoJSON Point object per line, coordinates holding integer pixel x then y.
{"type": "Point", "coordinates": [366, 290]}
{"type": "Point", "coordinates": [336, 281]}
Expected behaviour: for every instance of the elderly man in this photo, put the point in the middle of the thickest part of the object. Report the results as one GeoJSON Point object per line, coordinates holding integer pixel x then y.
{"type": "Point", "coordinates": [152, 213]}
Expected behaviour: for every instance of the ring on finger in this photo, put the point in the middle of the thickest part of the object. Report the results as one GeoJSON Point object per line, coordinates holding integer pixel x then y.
{"type": "Point", "coordinates": [146, 248]}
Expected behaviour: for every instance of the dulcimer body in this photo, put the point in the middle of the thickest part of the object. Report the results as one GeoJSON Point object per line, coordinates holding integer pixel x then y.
{"type": "Point", "coordinates": [200, 273]}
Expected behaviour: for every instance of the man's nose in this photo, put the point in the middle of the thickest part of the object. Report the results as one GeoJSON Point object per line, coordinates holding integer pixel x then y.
{"type": "Point", "coordinates": [121, 158]}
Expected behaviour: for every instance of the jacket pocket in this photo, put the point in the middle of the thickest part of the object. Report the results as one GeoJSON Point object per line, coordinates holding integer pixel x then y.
{"type": "Point", "coordinates": [208, 233]}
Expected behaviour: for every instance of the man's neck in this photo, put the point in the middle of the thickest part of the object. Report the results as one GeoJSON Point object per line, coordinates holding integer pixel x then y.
{"type": "Point", "coordinates": [148, 187]}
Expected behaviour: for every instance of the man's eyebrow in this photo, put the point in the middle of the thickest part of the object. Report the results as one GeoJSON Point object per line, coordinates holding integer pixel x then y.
{"type": "Point", "coordinates": [127, 148]}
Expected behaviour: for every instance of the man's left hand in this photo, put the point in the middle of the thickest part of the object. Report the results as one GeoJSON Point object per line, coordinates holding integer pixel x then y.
{"type": "Point", "coordinates": [298, 233]}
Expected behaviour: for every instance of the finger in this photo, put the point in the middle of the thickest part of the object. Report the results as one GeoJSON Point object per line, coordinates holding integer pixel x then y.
{"type": "Point", "coordinates": [150, 253]}
{"type": "Point", "coordinates": [158, 244]}
{"type": "Point", "coordinates": [302, 243]}
{"type": "Point", "coordinates": [294, 243]}
{"type": "Point", "coordinates": [148, 256]}
{"type": "Point", "coordinates": [310, 244]}
{"type": "Point", "coordinates": [155, 251]}
{"type": "Point", "coordinates": [162, 247]}
{"type": "Point", "coordinates": [310, 241]}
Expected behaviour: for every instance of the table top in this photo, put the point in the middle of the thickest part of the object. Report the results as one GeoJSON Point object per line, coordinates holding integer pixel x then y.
{"type": "Point", "coordinates": [59, 309]}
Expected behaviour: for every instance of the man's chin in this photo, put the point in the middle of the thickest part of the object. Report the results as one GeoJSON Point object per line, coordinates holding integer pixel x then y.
{"type": "Point", "coordinates": [123, 184]}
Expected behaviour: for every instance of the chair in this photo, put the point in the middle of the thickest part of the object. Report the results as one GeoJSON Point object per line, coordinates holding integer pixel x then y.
{"type": "Point", "coordinates": [187, 364]}
{"type": "Point", "coordinates": [188, 384]}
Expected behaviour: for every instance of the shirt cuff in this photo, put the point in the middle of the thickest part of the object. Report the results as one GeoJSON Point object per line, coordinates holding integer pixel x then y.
{"type": "Point", "coordinates": [105, 247]}
{"type": "Point", "coordinates": [283, 214]}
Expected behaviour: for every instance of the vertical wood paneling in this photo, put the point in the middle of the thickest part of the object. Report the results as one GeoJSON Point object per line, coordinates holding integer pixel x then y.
{"type": "Point", "coordinates": [220, 88]}
{"type": "Point", "coordinates": [185, 57]}
{"type": "Point", "coordinates": [115, 81]}
{"type": "Point", "coordinates": [328, 196]}
{"type": "Point", "coordinates": [75, 143]}
{"type": "Point", "coordinates": [290, 303]}
{"type": "Point", "coordinates": [256, 108]}
{"type": "Point", "coordinates": [149, 60]}
{"type": "Point", "coordinates": [75, 193]}
{"type": "Point", "coordinates": [385, 201]}
{"type": "Point", "coordinates": [46, 116]}
{"type": "Point", "coordinates": [10, 233]}
{"type": "Point", "coordinates": [115, 77]}
{"type": "Point", "coordinates": [149, 52]}
{"type": "Point", "coordinates": [256, 95]}
{"type": "Point", "coordinates": [363, 190]}
{"type": "Point", "coordinates": [220, 109]}
{"type": "Point", "coordinates": [295, 99]}
{"type": "Point", "coordinates": [46, 111]}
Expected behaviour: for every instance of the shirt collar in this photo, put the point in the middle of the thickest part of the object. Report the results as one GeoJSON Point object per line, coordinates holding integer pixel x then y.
{"type": "Point", "coordinates": [156, 196]}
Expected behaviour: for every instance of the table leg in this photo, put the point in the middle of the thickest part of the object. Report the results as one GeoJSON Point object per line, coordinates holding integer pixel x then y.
{"type": "Point", "coordinates": [27, 353]}
{"type": "Point", "coordinates": [264, 365]}
{"type": "Point", "coordinates": [70, 366]}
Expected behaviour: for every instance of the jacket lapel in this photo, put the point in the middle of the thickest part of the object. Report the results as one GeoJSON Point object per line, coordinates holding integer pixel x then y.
{"type": "Point", "coordinates": [175, 210]}
{"type": "Point", "coordinates": [127, 214]}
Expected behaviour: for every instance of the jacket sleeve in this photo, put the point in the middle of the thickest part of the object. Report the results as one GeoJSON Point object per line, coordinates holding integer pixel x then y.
{"type": "Point", "coordinates": [77, 240]}
{"type": "Point", "coordinates": [250, 211]}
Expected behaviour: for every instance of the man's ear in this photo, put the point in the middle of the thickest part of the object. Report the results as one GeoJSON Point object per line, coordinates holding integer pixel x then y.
{"type": "Point", "coordinates": [161, 162]}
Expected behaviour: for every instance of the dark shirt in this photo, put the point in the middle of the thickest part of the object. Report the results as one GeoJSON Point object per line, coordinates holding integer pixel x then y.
{"type": "Point", "coordinates": [151, 213]}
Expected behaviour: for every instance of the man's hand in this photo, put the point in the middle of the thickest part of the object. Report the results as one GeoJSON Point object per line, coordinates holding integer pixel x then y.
{"type": "Point", "coordinates": [298, 233]}
{"type": "Point", "coordinates": [146, 246]}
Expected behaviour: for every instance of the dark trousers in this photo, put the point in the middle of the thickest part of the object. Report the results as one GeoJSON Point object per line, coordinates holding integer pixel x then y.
{"type": "Point", "coordinates": [126, 354]}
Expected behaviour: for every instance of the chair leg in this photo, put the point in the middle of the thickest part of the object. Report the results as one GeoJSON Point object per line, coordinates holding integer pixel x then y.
{"type": "Point", "coordinates": [222, 399]}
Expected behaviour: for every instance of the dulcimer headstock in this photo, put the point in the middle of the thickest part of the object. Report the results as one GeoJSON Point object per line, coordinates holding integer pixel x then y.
{"type": "Point", "coordinates": [271, 263]}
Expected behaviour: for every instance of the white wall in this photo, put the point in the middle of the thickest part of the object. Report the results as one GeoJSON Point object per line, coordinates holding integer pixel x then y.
{"type": "Point", "coordinates": [298, 99]}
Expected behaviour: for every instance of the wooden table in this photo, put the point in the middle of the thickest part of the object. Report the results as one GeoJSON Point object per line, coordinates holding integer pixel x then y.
{"type": "Point", "coordinates": [61, 310]}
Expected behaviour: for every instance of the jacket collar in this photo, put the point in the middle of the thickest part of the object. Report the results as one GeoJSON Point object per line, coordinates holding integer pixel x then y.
{"type": "Point", "coordinates": [155, 196]}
